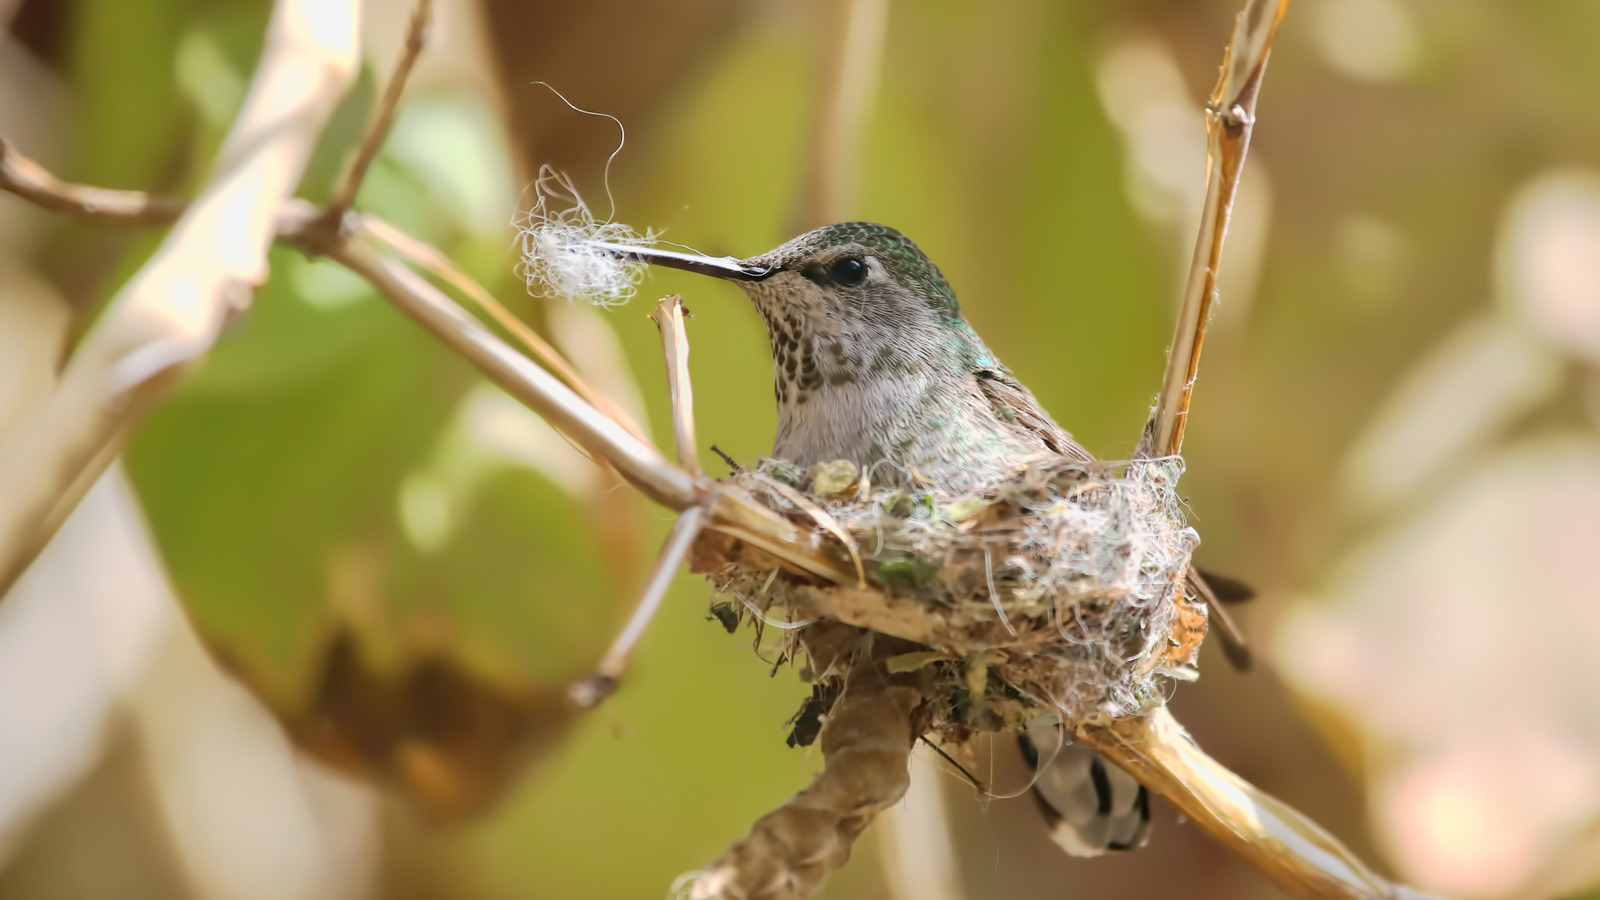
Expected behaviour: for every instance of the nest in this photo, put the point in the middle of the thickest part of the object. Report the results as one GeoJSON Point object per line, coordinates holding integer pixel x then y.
{"type": "Point", "coordinates": [1059, 590]}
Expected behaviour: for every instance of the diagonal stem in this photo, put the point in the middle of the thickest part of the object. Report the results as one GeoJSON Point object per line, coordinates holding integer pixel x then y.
{"type": "Point", "coordinates": [603, 683]}
{"type": "Point", "coordinates": [636, 461]}
{"type": "Point", "coordinates": [301, 225]}
{"type": "Point", "coordinates": [429, 258]}
{"type": "Point", "coordinates": [383, 114]}
{"type": "Point", "coordinates": [1230, 119]}
{"type": "Point", "coordinates": [1277, 839]}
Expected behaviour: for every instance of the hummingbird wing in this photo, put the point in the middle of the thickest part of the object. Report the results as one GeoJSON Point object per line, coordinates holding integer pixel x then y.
{"type": "Point", "coordinates": [1015, 405]}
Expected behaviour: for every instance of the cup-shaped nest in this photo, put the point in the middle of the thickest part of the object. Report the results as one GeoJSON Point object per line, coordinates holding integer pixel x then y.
{"type": "Point", "coordinates": [1060, 589]}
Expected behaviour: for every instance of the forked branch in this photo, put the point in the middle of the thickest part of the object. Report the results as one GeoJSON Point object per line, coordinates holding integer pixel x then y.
{"type": "Point", "coordinates": [344, 195]}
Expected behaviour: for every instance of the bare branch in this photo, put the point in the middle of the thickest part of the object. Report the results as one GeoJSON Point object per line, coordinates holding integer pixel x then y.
{"type": "Point", "coordinates": [731, 511]}
{"type": "Point", "coordinates": [636, 461]}
{"type": "Point", "coordinates": [303, 226]}
{"type": "Point", "coordinates": [589, 692]}
{"type": "Point", "coordinates": [440, 266]}
{"type": "Point", "coordinates": [1274, 837]}
{"type": "Point", "coordinates": [668, 317]}
{"type": "Point", "coordinates": [29, 180]}
{"type": "Point", "coordinates": [383, 114]}
{"type": "Point", "coordinates": [866, 742]}
{"type": "Point", "coordinates": [1230, 119]}
{"type": "Point", "coordinates": [168, 316]}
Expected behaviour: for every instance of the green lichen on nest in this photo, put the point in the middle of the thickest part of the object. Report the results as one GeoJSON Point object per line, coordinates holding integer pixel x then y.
{"type": "Point", "coordinates": [1057, 590]}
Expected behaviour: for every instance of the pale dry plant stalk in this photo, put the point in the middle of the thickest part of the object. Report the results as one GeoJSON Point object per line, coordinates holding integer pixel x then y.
{"type": "Point", "coordinates": [1230, 121]}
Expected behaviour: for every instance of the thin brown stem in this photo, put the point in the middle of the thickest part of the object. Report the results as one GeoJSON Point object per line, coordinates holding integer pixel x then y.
{"type": "Point", "coordinates": [301, 225]}
{"type": "Point", "coordinates": [32, 182]}
{"type": "Point", "coordinates": [636, 461]}
{"type": "Point", "coordinates": [592, 690]}
{"type": "Point", "coordinates": [1230, 119]}
{"type": "Point", "coordinates": [731, 511]}
{"type": "Point", "coordinates": [344, 195]}
{"type": "Point", "coordinates": [430, 259]}
{"type": "Point", "coordinates": [29, 180]}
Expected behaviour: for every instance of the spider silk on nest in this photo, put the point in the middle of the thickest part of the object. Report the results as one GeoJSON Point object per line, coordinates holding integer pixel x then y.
{"type": "Point", "coordinates": [555, 260]}
{"type": "Point", "coordinates": [1058, 590]}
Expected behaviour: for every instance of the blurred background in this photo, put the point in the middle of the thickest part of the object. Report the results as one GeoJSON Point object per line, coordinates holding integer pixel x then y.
{"type": "Point", "coordinates": [309, 639]}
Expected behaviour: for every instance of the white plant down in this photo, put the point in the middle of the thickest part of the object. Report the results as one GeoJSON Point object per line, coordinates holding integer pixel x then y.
{"type": "Point", "coordinates": [556, 261]}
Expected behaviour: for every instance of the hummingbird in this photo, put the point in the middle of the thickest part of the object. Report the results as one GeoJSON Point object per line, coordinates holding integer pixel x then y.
{"type": "Point", "coordinates": [874, 362]}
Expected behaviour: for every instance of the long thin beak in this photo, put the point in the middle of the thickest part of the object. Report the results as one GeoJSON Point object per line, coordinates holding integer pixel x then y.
{"type": "Point", "coordinates": [716, 267]}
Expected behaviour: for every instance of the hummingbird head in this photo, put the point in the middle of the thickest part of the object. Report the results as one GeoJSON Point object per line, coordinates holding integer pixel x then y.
{"type": "Point", "coordinates": [870, 351]}
{"type": "Point", "coordinates": [856, 302]}
{"type": "Point", "coordinates": [854, 298]}
{"type": "Point", "coordinates": [852, 276]}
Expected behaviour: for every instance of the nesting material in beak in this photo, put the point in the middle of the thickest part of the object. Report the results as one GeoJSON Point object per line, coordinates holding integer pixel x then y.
{"type": "Point", "coordinates": [567, 252]}
{"type": "Point", "coordinates": [715, 266]}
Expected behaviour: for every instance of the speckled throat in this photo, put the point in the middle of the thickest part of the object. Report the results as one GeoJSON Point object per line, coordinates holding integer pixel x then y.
{"type": "Point", "coordinates": [901, 399]}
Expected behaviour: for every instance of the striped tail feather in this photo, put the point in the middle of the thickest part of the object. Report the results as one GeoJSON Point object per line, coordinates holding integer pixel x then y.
{"type": "Point", "coordinates": [1090, 805]}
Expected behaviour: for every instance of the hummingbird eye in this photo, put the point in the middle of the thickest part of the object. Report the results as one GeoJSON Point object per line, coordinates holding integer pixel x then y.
{"type": "Point", "coordinates": [847, 271]}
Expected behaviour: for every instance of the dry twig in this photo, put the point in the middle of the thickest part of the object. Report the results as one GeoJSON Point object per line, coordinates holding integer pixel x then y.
{"type": "Point", "coordinates": [603, 683]}
{"type": "Point", "coordinates": [435, 263]}
{"type": "Point", "coordinates": [168, 316]}
{"type": "Point", "coordinates": [866, 742]}
{"type": "Point", "coordinates": [32, 182]}
{"type": "Point", "coordinates": [636, 461]}
{"type": "Point", "coordinates": [300, 225]}
{"type": "Point", "coordinates": [1230, 119]}
{"type": "Point", "coordinates": [383, 114]}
